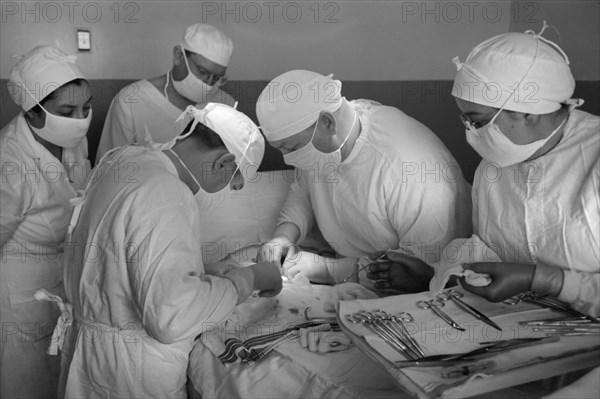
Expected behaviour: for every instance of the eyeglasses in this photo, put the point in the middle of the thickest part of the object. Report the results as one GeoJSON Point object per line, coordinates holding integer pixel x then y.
{"type": "Point", "coordinates": [470, 124]}
{"type": "Point", "coordinates": [209, 77]}
{"type": "Point", "coordinates": [206, 76]}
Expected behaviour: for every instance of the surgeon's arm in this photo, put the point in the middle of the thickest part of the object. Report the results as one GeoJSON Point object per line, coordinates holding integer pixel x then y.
{"type": "Point", "coordinates": [282, 245]}
{"type": "Point", "coordinates": [176, 299]}
{"type": "Point", "coordinates": [295, 221]}
{"type": "Point", "coordinates": [423, 213]}
{"type": "Point", "coordinates": [288, 230]}
{"type": "Point", "coordinates": [16, 195]}
{"type": "Point", "coordinates": [320, 269]}
{"type": "Point", "coordinates": [582, 291]}
{"type": "Point", "coordinates": [297, 210]}
{"type": "Point", "coordinates": [118, 126]}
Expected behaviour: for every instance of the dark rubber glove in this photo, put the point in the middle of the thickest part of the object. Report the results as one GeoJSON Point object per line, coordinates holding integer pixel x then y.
{"type": "Point", "coordinates": [508, 279]}
{"type": "Point", "coordinates": [400, 272]}
{"type": "Point", "coordinates": [267, 278]}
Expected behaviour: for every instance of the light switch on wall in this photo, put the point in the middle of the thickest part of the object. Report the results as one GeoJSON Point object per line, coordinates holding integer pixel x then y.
{"type": "Point", "coordinates": [84, 40]}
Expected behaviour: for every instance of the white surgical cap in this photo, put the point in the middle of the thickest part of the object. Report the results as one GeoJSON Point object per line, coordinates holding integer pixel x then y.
{"type": "Point", "coordinates": [292, 102]}
{"type": "Point", "coordinates": [40, 72]}
{"type": "Point", "coordinates": [209, 42]}
{"type": "Point", "coordinates": [239, 134]}
{"type": "Point", "coordinates": [523, 72]}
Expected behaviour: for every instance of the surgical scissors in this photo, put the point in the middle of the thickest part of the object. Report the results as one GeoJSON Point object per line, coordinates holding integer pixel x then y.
{"type": "Point", "coordinates": [456, 296]}
{"type": "Point", "coordinates": [435, 305]}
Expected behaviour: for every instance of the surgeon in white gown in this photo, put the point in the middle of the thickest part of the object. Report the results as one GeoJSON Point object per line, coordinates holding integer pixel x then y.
{"type": "Point", "coordinates": [371, 177]}
{"type": "Point", "coordinates": [43, 152]}
{"type": "Point", "coordinates": [536, 194]}
{"type": "Point", "coordinates": [134, 273]}
{"type": "Point", "coordinates": [200, 62]}
{"type": "Point", "coordinates": [536, 197]}
{"type": "Point", "coordinates": [536, 201]}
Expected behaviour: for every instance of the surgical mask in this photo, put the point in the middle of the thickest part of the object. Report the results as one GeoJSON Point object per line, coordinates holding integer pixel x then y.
{"type": "Point", "coordinates": [309, 156]}
{"type": "Point", "coordinates": [193, 88]}
{"type": "Point", "coordinates": [494, 146]}
{"type": "Point", "coordinates": [205, 199]}
{"type": "Point", "coordinates": [62, 131]}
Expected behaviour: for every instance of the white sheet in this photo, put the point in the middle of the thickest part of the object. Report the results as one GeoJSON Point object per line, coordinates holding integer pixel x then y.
{"type": "Point", "coordinates": [291, 371]}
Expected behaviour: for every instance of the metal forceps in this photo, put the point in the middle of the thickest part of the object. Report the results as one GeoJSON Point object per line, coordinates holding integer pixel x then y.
{"type": "Point", "coordinates": [360, 318]}
{"type": "Point", "coordinates": [435, 305]}
{"type": "Point", "coordinates": [398, 320]}
{"type": "Point", "coordinates": [363, 267]}
{"type": "Point", "coordinates": [385, 323]}
{"type": "Point", "coordinates": [456, 296]}
{"type": "Point", "coordinates": [531, 297]}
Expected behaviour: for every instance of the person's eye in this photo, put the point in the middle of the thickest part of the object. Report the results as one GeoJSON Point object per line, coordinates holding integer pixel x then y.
{"type": "Point", "coordinates": [203, 72]}
{"type": "Point", "coordinates": [481, 123]}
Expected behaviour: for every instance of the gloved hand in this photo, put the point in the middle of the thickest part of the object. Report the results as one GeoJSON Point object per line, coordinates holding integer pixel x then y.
{"type": "Point", "coordinates": [219, 268]}
{"type": "Point", "coordinates": [276, 249]}
{"type": "Point", "coordinates": [267, 278]}
{"type": "Point", "coordinates": [346, 292]}
{"type": "Point", "coordinates": [400, 272]}
{"type": "Point", "coordinates": [508, 279]}
{"type": "Point", "coordinates": [321, 339]}
{"type": "Point", "coordinates": [311, 265]}
{"type": "Point", "coordinates": [244, 256]}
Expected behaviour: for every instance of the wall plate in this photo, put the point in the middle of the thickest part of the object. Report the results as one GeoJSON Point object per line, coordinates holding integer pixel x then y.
{"type": "Point", "coordinates": [84, 40]}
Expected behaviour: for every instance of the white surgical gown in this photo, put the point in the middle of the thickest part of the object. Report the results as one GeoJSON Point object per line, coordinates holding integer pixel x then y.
{"type": "Point", "coordinates": [135, 278]}
{"type": "Point", "coordinates": [399, 187]}
{"type": "Point", "coordinates": [138, 105]}
{"type": "Point", "coordinates": [547, 210]}
{"type": "Point", "coordinates": [34, 215]}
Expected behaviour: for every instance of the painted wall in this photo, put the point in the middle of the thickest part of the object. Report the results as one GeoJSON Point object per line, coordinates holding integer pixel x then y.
{"type": "Point", "coordinates": [576, 29]}
{"type": "Point", "coordinates": [357, 40]}
{"type": "Point", "coordinates": [395, 52]}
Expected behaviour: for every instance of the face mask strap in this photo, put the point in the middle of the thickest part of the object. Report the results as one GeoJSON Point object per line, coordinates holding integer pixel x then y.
{"type": "Point", "coordinates": [186, 168]}
{"type": "Point", "coordinates": [167, 85]}
{"type": "Point", "coordinates": [185, 58]}
{"type": "Point", "coordinates": [314, 133]}
{"type": "Point", "coordinates": [351, 128]}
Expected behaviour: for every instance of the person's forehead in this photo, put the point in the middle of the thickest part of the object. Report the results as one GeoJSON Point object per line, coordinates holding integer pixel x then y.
{"type": "Point", "coordinates": [468, 107]}
{"type": "Point", "coordinates": [71, 94]}
{"type": "Point", "coordinates": [205, 63]}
